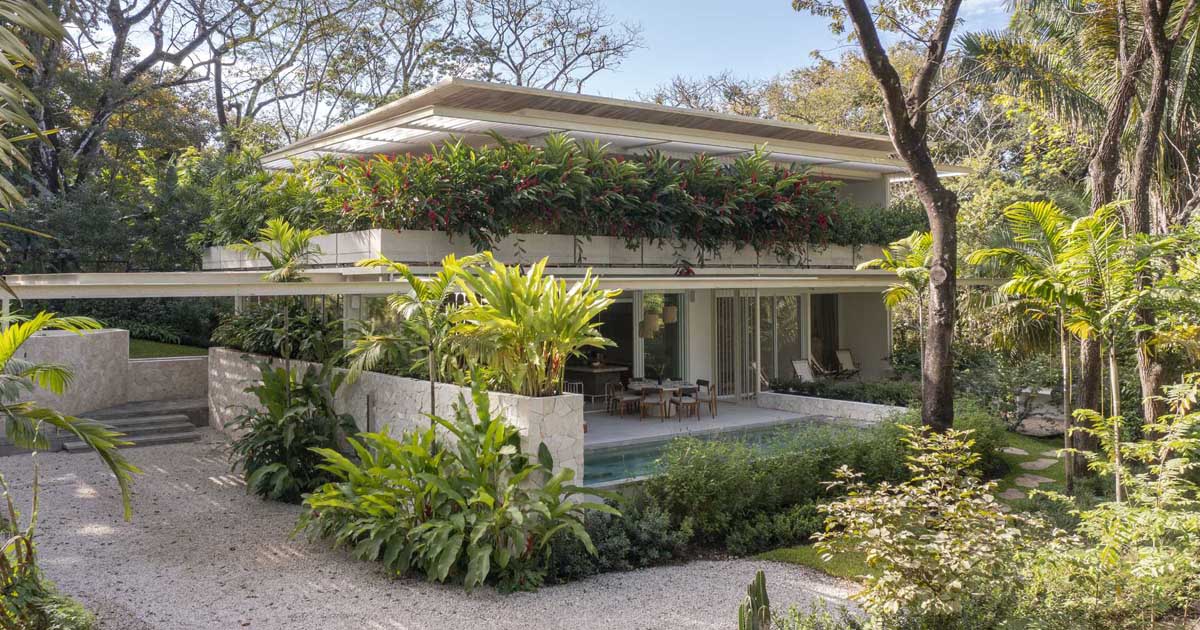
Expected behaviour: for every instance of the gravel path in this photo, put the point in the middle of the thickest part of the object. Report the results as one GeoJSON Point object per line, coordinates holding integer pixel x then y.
{"type": "Point", "coordinates": [200, 554]}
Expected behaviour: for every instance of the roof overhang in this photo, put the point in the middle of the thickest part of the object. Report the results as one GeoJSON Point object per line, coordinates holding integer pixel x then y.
{"type": "Point", "coordinates": [359, 281]}
{"type": "Point", "coordinates": [474, 110]}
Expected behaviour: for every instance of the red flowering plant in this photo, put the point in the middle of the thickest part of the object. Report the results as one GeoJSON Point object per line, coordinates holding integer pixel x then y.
{"type": "Point", "coordinates": [570, 187]}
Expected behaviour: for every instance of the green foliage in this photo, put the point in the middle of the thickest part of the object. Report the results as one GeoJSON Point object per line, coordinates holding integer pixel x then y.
{"type": "Point", "coordinates": [938, 540]}
{"type": "Point", "coordinates": [771, 531]}
{"type": "Point", "coordinates": [287, 249]}
{"type": "Point", "coordinates": [909, 259]}
{"type": "Point", "coordinates": [277, 441]}
{"type": "Point", "coordinates": [564, 187]}
{"type": "Point", "coordinates": [725, 487]}
{"type": "Point", "coordinates": [467, 507]}
{"type": "Point", "coordinates": [269, 326]}
{"type": "Point", "coordinates": [188, 321]}
{"type": "Point", "coordinates": [987, 432]}
{"type": "Point", "coordinates": [859, 225]}
{"type": "Point", "coordinates": [897, 393]}
{"type": "Point", "coordinates": [642, 536]}
{"type": "Point", "coordinates": [524, 326]}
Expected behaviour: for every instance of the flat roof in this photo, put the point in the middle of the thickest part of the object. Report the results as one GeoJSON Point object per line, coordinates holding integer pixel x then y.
{"type": "Point", "coordinates": [474, 109]}
{"type": "Point", "coordinates": [359, 281]}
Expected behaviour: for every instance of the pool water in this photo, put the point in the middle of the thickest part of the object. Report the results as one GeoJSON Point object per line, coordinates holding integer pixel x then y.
{"type": "Point", "coordinates": [606, 464]}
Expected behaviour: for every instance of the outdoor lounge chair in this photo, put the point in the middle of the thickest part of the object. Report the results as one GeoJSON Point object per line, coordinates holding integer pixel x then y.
{"type": "Point", "coordinates": [804, 370]}
{"type": "Point", "coordinates": [847, 368]}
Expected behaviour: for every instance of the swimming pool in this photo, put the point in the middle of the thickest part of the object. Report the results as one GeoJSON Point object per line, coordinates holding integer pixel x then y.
{"type": "Point", "coordinates": [607, 464]}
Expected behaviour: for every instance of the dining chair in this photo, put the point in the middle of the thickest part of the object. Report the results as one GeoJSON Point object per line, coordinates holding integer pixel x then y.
{"type": "Point", "coordinates": [707, 395]}
{"type": "Point", "coordinates": [653, 398]}
{"type": "Point", "coordinates": [684, 399]}
{"type": "Point", "coordinates": [620, 399]}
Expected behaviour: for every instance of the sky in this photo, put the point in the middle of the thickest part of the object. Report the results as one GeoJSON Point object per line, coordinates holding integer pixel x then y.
{"type": "Point", "coordinates": [751, 38]}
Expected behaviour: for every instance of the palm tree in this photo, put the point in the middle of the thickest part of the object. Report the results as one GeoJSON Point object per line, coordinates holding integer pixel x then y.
{"type": "Point", "coordinates": [425, 312]}
{"type": "Point", "coordinates": [1036, 258]}
{"type": "Point", "coordinates": [287, 249]}
{"type": "Point", "coordinates": [26, 423]}
{"type": "Point", "coordinates": [909, 259]}
{"type": "Point", "coordinates": [1099, 256]}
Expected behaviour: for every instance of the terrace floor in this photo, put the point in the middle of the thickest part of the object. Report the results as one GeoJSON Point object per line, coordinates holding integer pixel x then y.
{"type": "Point", "coordinates": [605, 430]}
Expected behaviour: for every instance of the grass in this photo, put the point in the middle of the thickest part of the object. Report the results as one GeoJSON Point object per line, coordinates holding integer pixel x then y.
{"type": "Point", "coordinates": [848, 566]}
{"type": "Point", "coordinates": [145, 349]}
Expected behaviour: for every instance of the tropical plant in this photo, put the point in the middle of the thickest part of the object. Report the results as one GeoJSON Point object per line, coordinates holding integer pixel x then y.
{"type": "Point", "coordinates": [425, 313]}
{"type": "Point", "coordinates": [270, 327]}
{"type": "Point", "coordinates": [524, 326]}
{"type": "Point", "coordinates": [934, 541]}
{"type": "Point", "coordinates": [909, 259]}
{"type": "Point", "coordinates": [15, 56]}
{"type": "Point", "coordinates": [469, 507]}
{"type": "Point", "coordinates": [276, 439]}
{"type": "Point", "coordinates": [1037, 260]}
{"type": "Point", "coordinates": [287, 249]}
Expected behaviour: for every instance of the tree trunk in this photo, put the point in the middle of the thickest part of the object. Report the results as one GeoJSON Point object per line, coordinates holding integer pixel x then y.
{"type": "Point", "coordinates": [1087, 396]}
{"type": "Point", "coordinates": [1064, 344]}
{"type": "Point", "coordinates": [1114, 384]}
{"type": "Point", "coordinates": [937, 366]}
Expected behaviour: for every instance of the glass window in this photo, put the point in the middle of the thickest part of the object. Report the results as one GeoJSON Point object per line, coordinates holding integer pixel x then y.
{"type": "Point", "coordinates": [787, 330]}
{"type": "Point", "coordinates": [661, 328]}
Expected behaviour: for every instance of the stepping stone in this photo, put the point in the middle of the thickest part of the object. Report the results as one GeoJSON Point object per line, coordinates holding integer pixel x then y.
{"type": "Point", "coordinates": [1053, 454]}
{"type": "Point", "coordinates": [1038, 464]}
{"type": "Point", "coordinates": [1041, 426]}
{"type": "Point", "coordinates": [1012, 494]}
{"type": "Point", "coordinates": [1012, 450]}
{"type": "Point", "coordinates": [1031, 481]}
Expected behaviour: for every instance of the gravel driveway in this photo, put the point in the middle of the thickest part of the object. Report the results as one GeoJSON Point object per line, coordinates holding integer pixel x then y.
{"type": "Point", "coordinates": [201, 554]}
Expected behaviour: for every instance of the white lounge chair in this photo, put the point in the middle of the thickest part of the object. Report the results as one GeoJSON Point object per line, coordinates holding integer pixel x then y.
{"type": "Point", "coordinates": [846, 363]}
{"type": "Point", "coordinates": [804, 370]}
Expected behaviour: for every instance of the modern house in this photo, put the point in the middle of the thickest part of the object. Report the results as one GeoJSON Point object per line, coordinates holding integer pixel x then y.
{"type": "Point", "coordinates": [732, 313]}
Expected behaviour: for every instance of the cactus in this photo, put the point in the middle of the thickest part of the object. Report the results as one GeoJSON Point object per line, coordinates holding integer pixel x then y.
{"type": "Point", "coordinates": [755, 611]}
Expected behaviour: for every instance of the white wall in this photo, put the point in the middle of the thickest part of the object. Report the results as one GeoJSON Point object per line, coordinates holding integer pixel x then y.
{"type": "Point", "coordinates": [99, 360]}
{"type": "Point", "coordinates": [700, 342]}
{"type": "Point", "coordinates": [864, 329]}
{"type": "Point", "coordinates": [872, 193]}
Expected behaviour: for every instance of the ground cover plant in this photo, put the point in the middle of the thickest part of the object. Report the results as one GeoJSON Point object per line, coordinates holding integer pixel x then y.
{"type": "Point", "coordinates": [898, 393]}
{"type": "Point", "coordinates": [457, 502]}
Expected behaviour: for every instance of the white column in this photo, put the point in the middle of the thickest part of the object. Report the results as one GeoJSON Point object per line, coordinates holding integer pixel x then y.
{"type": "Point", "coordinates": [639, 344]}
{"type": "Point", "coordinates": [757, 342]}
{"type": "Point", "coordinates": [806, 325]}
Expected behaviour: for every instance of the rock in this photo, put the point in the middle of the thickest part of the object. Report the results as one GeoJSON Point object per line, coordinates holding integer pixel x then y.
{"type": "Point", "coordinates": [1031, 481]}
{"type": "Point", "coordinates": [1038, 464]}
{"type": "Point", "coordinates": [1039, 425]}
{"type": "Point", "coordinates": [1012, 450]}
{"type": "Point", "coordinates": [1012, 494]}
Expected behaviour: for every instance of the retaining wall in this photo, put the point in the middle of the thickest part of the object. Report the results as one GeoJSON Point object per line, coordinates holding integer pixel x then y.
{"type": "Point", "coordinates": [397, 404]}
{"type": "Point", "coordinates": [868, 413]}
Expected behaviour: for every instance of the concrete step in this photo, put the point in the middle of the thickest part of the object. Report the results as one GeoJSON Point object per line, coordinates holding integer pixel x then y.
{"type": "Point", "coordinates": [196, 409]}
{"type": "Point", "coordinates": [134, 427]}
{"type": "Point", "coordinates": [166, 436]}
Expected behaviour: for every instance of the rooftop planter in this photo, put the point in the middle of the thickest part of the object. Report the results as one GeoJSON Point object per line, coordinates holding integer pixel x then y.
{"type": "Point", "coordinates": [486, 195]}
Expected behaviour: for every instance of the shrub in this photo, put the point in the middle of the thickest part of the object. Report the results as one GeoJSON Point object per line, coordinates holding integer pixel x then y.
{"type": "Point", "coordinates": [770, 531]}
{"type": "Point", "coordinates": [471, 508]}
{"type": "Point", "coordinates": [276, 441]}
{"type": "Point", "coordinates": [897, 393]}
{"type": "Point", "coordinates": [725, 485]}
{"type": "Point", "coordinates": [643, 536]}
{"type": "Point", "coordinates": [938, 542]}
{"type": "Point", "coordinates": [987, 435]}
{"type": "Point", "coordinates": [269, 327]}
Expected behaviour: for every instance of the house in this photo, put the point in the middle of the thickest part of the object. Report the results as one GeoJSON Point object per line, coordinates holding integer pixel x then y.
{"type": "Point", "coordinates": [736, 317]}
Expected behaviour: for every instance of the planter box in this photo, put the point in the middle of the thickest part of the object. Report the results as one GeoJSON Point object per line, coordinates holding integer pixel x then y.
{"type": "Point", "coordinates": [421, 247]}
{"type": "Point", "coordinates": [382, 402]}
{"type": "Point", "coordinates": [866, 413]}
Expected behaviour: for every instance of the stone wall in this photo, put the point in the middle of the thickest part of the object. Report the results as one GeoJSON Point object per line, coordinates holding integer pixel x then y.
{"type": "Point", "coordinates": [99, 360]}
{"type": "Point", "coordinates": [397, 404]}
{"type": "Point", "coordinates": [867, 413]}
{"type": "Point", "coordinates": [171, 378]}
